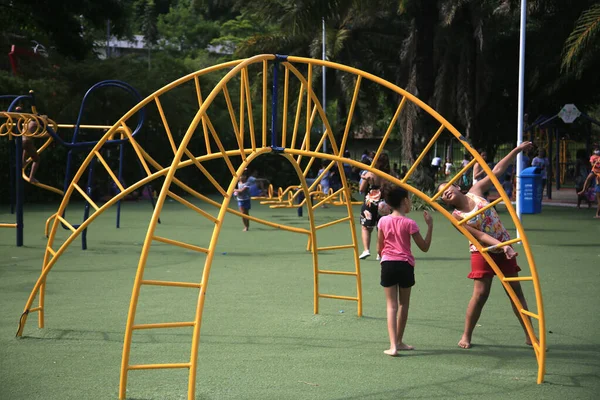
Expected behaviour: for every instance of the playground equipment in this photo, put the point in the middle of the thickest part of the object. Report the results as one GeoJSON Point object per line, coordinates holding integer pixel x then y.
{"type": "Point", "coordinates": [293, 197]}
{"type": "Point", "coordinates": [74, 146]}
{"type": "Point", "coordinates": [15, 127]}
{"type": "Point", "coordinates": [545, 134]}
{"type": "Point", "coordinates": [296, 146]}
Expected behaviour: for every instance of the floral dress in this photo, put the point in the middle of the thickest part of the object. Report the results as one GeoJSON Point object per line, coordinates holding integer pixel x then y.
{"type": "Point", "coordinates": [487, 222]}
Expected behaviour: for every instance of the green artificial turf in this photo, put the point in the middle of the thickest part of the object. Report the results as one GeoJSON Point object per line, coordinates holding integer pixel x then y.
{"type": "Point", "coordinates": [260, 338]}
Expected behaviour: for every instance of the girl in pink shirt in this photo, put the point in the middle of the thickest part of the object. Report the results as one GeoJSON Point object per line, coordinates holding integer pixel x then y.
{"type": "Point", "coordinates": [397, 262]}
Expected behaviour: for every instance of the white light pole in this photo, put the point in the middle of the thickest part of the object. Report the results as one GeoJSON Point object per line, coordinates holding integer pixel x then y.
{"type": "Point", "coordinates": [323, 56]}
{"type": "Point", "coordinates": [520, 103]}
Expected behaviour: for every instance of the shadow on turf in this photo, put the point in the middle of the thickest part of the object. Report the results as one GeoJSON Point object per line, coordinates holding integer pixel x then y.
{"type": "Point", "coordinates": [504, 356]}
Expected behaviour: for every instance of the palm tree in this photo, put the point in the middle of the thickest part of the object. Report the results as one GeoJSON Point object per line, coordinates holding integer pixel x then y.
{"type": "Point", "coordinates": [361, 33]}
{"type": "Point", "coordinates": [581, 42]}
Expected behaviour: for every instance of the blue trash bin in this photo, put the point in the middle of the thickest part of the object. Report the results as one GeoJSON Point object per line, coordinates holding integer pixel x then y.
{"type": "Point", "coordinates": [531, 191]}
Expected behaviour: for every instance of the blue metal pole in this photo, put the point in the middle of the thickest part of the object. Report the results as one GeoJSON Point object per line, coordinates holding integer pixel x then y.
{"type": "Point", "coordinates": [12, 177]}
{"type": "Point", "coordinates": [86, 212]}
{"type": "Point", "coordinates": [20, 190]}
{"type": "Point", "coordinates": [274, 104]}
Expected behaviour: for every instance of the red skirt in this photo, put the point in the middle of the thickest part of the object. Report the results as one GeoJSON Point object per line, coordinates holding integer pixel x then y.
{"type": "Point", "coordinates": [480, 268]}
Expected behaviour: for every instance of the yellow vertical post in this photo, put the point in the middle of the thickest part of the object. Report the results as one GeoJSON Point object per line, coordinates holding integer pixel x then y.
{"type": "Point", "coordinates": [313, 231]}
{"type": "Point", "coordinates": [242, 94]}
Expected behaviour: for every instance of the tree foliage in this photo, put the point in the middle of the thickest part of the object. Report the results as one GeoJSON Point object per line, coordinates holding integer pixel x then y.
{"type": "Point", "coordinates": [459, 56]}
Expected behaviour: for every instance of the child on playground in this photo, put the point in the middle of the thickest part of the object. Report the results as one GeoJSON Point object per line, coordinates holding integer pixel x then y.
{"type": "Point", "coordinates": [594, 177]}
{"type": "Point", "coordinates": [542, 162]}
{"type": "Point", "coordinates": [243, 198]}
{"type": "Point", "coordinates": [448, 167]}
{"type": "Point", "coordinates": [507, 185]}
{"type": "Point", "coordinates": [487, 228]}
{"type": "Point", "coordinates": [29, 149]}
{"type": "Point", "coordinates": [397, 262]}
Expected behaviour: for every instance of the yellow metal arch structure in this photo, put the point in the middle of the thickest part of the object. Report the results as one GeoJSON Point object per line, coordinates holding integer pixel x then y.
{"type": "Point", "coordinates": [294, 143]}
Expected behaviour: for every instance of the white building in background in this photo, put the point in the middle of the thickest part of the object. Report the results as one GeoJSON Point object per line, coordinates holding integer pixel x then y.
{"type": "Point", "coordinates": [120, 47]}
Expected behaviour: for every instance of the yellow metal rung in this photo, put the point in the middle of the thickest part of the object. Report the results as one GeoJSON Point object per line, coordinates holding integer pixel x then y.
{"type": "Point", "coordinates": [8, 225]}
{"type": "Point", "coordinates": [49, 249]}
{"type": "Point", "coordinates": [494, 247]}
{"type": "Point", "coordinates": [518, 279]}
{"type": "Point", "coordinates": [333, 222]}
{"type": "Point", "coordinates": [35, 309]}
{"type": "Point", "coordinates": [482, 210]}
{"type": "Point", "coordinates": [164, 325]}
{"type": "Point", "coordinates": [529, 313]}
{"type": "Point", "coordinates": [192, 206]}
{"type": "Point", "coordinates": [65, 222]}
{"type": "Point", "coordinates": [85, 196]}
{"type": "Point", "coordinates": [345, 246]}
{"type": "Point", "coordinates": [322, 271]}
{"type": "Point", "coordinates": [332, 296]}
{"type": "Point", "coordinates": [158, 366]}
{"type": "Point", "coordinates": [180, 244]}
{"type": "Point", "coordinates": [168, 283]}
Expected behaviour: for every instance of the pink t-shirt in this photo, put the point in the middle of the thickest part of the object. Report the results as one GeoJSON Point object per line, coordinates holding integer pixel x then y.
{"type": "Point", "coordinates": [397, 232]}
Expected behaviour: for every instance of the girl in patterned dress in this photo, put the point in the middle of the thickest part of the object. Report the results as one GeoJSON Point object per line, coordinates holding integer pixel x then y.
{"type": "Point", "coordinates": [487, 228]}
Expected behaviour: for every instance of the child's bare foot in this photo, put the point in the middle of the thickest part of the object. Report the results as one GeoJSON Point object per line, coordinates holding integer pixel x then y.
{"type": "Point", "coordinates": [464, 343]}
{"type": "Point", "coordinates": [245, 230]}
{"type": "Point", "coordinates": [596, 216]}
{"type": "Point", "coordinates": [391, 352]}
{"type": "Point", "coordinates": [402, 346]}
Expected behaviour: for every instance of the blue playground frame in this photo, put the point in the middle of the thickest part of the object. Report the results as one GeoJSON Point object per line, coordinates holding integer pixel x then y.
{"type": "Point", "coordinates": [73, 146]}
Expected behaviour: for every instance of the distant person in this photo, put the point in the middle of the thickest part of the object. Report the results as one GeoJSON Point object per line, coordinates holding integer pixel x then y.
{"type": "Point", "coordinates": [581, 174]}
{"type": "Point", "coordinates": [243, 198]}
{"type": "Point", "coordinates": [398, 263]}
{"type": "Point", "coordinates": [325, 181]}
{"type": "Point", "coordinates": [347, 167]}
{"type": "Point", "coordinates": [594, 178]}
{"type": "Point", "coordinates": [395, 171]}
{"type": "Point", "coordinates": [374, 189]}
{"type": "Point", "coordinates": [258, 186]}
{"type": "Point", "coordinates": [365, 157]}
{"type": "Point", "coordinates": [448, 167]}
{"type": "Point", "coordinates": [465, 178]}
{"type": "Point", "coordinates": [403, 171]}
{"type": "Point", "coordinates": [507, 185]}
{"type": "Point", "coordinates": [436, 165]}
{"type": "Point", "coordinates": [542, 163]}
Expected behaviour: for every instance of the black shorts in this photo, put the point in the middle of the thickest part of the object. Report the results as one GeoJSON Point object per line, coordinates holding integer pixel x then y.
{"type": "Point", "coordinates": [398, 273]}
{"type": "Point", "coordinates": [369, 215]}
